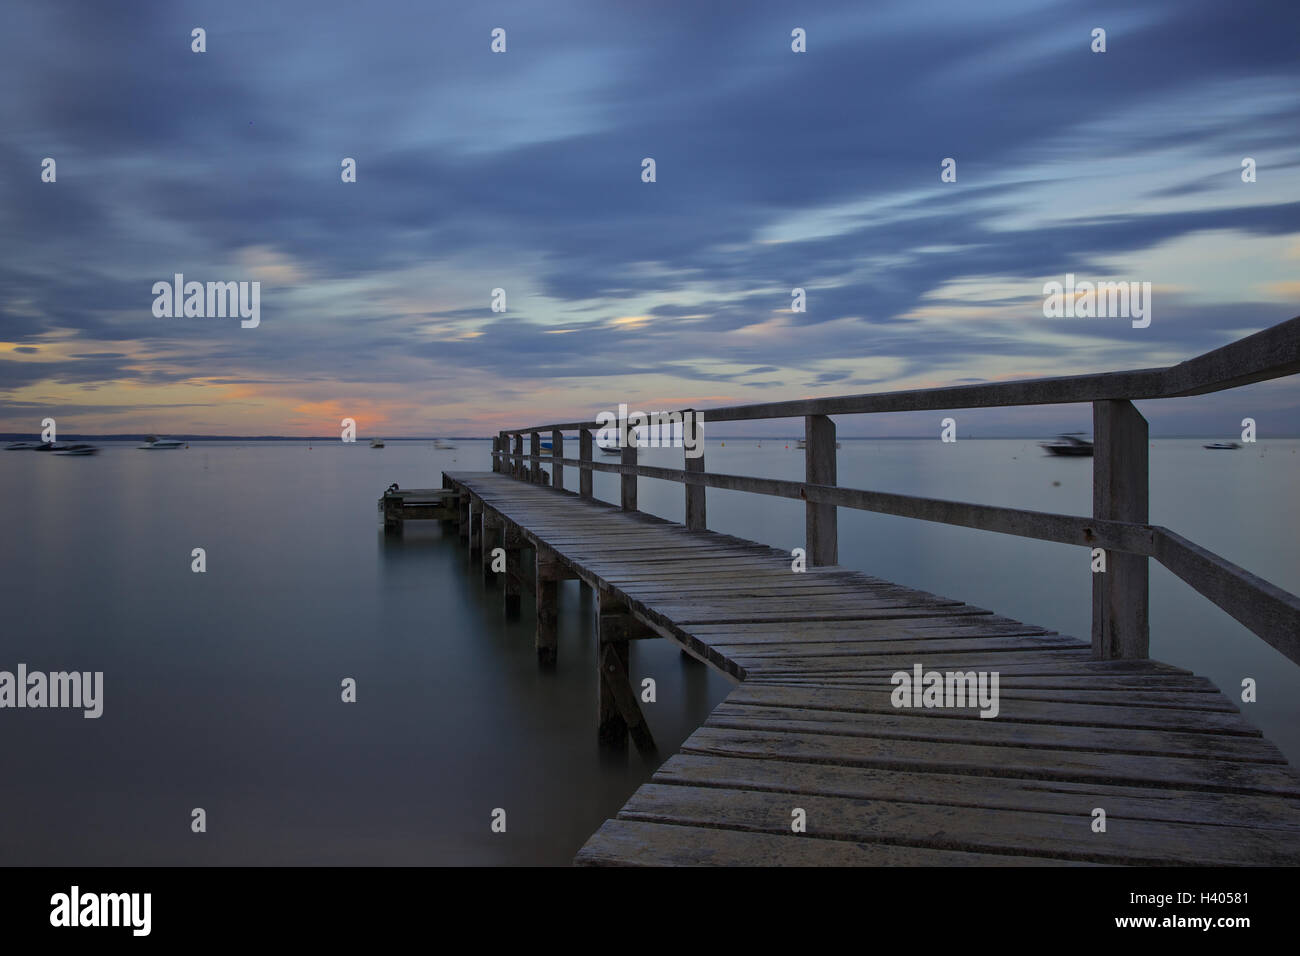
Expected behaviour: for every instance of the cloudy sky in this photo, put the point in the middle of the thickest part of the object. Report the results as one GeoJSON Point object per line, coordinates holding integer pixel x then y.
{"type": "Point", "coordinates": [522, 170]}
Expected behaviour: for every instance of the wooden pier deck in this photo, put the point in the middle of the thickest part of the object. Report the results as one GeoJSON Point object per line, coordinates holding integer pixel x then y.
{"type": "Point", "coordinates": [1181, 776]}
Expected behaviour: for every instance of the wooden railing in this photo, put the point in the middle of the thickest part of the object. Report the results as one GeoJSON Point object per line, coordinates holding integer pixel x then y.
{"type": "Point", "coordinates": [1119, 522]}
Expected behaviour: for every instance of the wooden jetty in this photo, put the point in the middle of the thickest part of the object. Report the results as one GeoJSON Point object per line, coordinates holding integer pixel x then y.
{"type": "Point", "coordinates": [400, 505]}
{"type": "Point", "coordinates": [809, 761]}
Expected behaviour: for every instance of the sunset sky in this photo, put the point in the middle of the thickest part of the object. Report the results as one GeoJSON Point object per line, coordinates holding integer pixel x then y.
{"type": "Point", "coordinates": [522, 170]}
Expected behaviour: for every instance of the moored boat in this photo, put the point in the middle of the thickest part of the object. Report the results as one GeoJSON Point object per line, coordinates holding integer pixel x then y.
{"type": "Point", "coordinates": [1222, 446]}
{"type": "Point", "coordinates": [78, 450]}
{"type": "Point", "coordinates": [154, 443]}
{"type": "Point", "coordinates": [1068, 446]}
{"type": "Point", "coordinates": [376, 443]}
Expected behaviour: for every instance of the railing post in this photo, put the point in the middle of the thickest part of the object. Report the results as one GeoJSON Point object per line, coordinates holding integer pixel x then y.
{"type": "Point", "coordinates": [518, 469]}
{"type": "Point", "coordinates": [535, 449]}
{"type": "Point", "coordinates": [557, 452]}
{"type": "Point", "coordinates": [821, 534]}
{"type": "Point", "coordinates": [627, 483]}
{"type": "Point", "coordinates": [1120, 623]}
{"type": "Point", "coordinates": [695, 520]}
{"type": "Point", "coordinates": [584, 452]}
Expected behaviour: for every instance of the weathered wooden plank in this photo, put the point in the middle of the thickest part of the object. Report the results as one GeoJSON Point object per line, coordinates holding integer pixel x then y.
{"type": "Point", "coordinates": [939, 725]}
{"type": "Point", "coordinates": [631, 843]}
{"type": "Point", "coordinates": [869, 783]}
{"type": "Point", "coordinates": [965, 829]}
{"type": "Point", "coordinates": [1012, 708]}
{"type": "Point", "coordinates": [973, 759]}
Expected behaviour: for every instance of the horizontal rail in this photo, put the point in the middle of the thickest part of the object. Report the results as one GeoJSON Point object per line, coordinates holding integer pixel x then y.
{"type": "Point", "coordinates": [1043, 525]}
{"type": "Point", "coordinates": [1267, 610]}
{"type": "Point", "coordinates": [1271, 353]}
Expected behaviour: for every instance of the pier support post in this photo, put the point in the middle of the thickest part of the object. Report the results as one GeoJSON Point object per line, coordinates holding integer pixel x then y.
{"type": "Point", "coordinates": [557, 452]}
{"type": "Point", "coordinates": [475, 527]}
{"type": "Point", "coordinates": [627, 483]}
{"type": "Point", "coordinates": [549, 573]}
{"type": "Point", "coordinates": [463, 505]}
{"type": "Point", "coordinates": [820, 532]}
{"type": "Point", "coordinates": [392, 514]}
{"type": "Point", "coordinates": [619, 713]}
{"type": "Point", "coordinates": [496, 447]}
{"type": "Point", "coordinates": [491, 536]}
{"type": "Point", "coordinates": [1120, 620]}
{"type": "Point", "coordinates": [584, 452]}
{"type": "Point", "coordinates": [512, 542]}
{"type": "Point", "coordinates": [695, 520]}
{"type": "Point", "coordinates": [535, 449]}
{"type": "Point", "coordinates": [518, 469]}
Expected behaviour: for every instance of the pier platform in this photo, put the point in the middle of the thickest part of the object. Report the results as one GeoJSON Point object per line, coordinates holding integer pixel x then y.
{"type": "Point", "coordinates": [810, 762]}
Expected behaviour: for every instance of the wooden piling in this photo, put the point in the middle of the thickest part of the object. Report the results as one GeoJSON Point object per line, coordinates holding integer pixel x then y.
{"type": "Point", "coordinates": [549, 573]}
{"type": "Point", "coordinates": [491, 533]}
{"type": "Point", "coordinates": [619, 713]}
{"type": "Point", "coordinates": [512, 542]}
{"type": "Point", "coordinates": [475, 528]}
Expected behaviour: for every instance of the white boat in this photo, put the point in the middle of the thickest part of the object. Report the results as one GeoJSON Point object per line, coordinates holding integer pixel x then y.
{"type": "Point", "coordinates": [376, 443]}
{"type": "Point", "coordinates": [154, 443]}
{"type": "Point", "coordinates": [611, 450]}
{"type": "Point", "coordinates": [443, 445]}
{"type": "Point", "coordinates": [22, 446]}
{"type": "Point", "coordinates": [78, 450]}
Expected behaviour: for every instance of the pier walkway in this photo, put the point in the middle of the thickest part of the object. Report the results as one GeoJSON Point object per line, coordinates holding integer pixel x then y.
{"type": "Point", "coordinates": [809, 762]}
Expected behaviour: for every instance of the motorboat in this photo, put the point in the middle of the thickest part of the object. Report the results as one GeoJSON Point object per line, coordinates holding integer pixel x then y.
{"type": "Point", "coordinates": [1068, 446]}
{"type": "Point", "coordinates": [443, 445]}
{"type": "Point", "coordinates": [1222, 446]}
{"type": "Point", "coordinates": [154, 443]}
{"type": "Point", "coordinates": [376, 443]}
{"type": "Point", "coordinates": [611, 450]}
{"type": "Point", "coordinates": [78, 450]}
{"type": "Point", "coordinates": [22, 446]}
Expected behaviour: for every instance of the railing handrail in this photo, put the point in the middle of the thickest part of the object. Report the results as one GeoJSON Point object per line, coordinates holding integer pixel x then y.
{"type": "Point", "coordinates": [1271, 353]}
{"type": "Point", "coordinates": [1120, 477]}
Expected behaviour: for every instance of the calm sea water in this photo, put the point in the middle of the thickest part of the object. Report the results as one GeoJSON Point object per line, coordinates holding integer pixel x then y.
{"type": "Point", "coordinates": [222, 689]}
